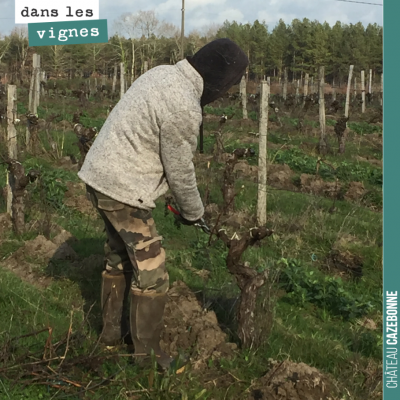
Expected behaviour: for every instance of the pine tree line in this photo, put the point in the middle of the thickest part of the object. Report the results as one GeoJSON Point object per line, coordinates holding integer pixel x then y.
{"type": "Point", "coordinates": [142, 41]}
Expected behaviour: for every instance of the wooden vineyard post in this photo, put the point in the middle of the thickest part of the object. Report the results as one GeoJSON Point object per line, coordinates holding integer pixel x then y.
{"type": "Point", "coordinates": [346, 110]}
{"type": "Point", "coordinates": [133, 61]}
{"type": "Point", "coordinates": [312, 90]}
{"type": "Point", "coordinates": [34, 90]}
{"type": "Point", "coordinates": [243, 96]}
{"type": "Point", "coordinates": [145, 66]}
{"type": "Point", "coordinates": [355, 87]}
{"type": "Point", "coordinates": [381, 100]}
{"type": "Point", "coordinates": [114, 84]}
{"type": "Point", "coordinates": [16, 178]}
{"type": "Point", "coordinates": [363, 91]}
{"type": "Point", "coordinates": [297, 90]}
{"type": "Point", "coordinates": [262, 157]}
{"type": "Point", "coordinates": [90, 86]}
{"type": "Point", "coordinates": [11, 139]}
{"type": "Point", "coordinates": [370, 82]}
{"type": "Point", "coordinates": [122, 80]}
{"type": "Point", "coordinates": [31, 86]}
{"type": "Point", "coordinates": [322, 142]}
{"type": "Point", "coordinates": [43, 79]}
{"type": "Point", "coordinates": [305, 89]}
{"type": "Point", "coordinates": [333, 90]}
{"type": "Point", "coordinates": [33, 98]}
{"type": "Point", "coordinates": [285, 81]}
{"type": "Point", "coordinates": [37, 85]}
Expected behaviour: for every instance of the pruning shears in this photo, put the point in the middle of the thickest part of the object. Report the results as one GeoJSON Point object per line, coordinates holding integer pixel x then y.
{"type": "Point", "coordinates": [201, 224]}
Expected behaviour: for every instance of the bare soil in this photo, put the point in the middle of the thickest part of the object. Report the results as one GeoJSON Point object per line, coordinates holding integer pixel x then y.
{"type": "Point", "coordinates": [315, 185]}
{"type": "Point", "coordinates": [75, 197]}
{"type": "Point", "coordinates": [63, 126]}
{"type": "Point", "coordinates": [191, 328]}
{"type": "Point", "coordinates": [243, 169]}
{"type": "Point", "coordinates": [281, 176]}
{"type": "Point", "coordinates": [291, 381]}
{"type": "Point", "coordinates": [344, 259]}
{"type": "Point", "coordinates": [5, 224]}
{"type": "Point", "coordinates": [346, 262]}
{"type": "Point", "coordinates": [355, 192]}
{"type": "Point", "coordinates": [67, 163]}
{"type": "Point", "coordinates": [371, 160]}
{"type": "Point", "coordinates": [36, 253]}
{"type": "Point", "coordinates": [373, 138]}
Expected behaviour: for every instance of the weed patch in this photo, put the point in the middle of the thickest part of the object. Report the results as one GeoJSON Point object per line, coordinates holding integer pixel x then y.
{"type": "Point", "coordinates": [307, 285]}
{"type": "Point", "coordinates": [345, 171]}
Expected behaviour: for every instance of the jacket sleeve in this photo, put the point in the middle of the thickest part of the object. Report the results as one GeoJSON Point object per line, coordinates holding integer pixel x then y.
{"type": "Point", "coordinates": [178, 142]}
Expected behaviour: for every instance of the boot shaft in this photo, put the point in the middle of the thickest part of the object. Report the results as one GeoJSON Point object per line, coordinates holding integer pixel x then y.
{"type": "Point", "coordinates": [146, 314]}
{"type": "Point", "coordinates": [114, 295]}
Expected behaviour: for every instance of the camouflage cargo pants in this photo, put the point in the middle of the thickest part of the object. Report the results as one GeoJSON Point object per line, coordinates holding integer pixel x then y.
{"type": "Point", "coordinates": [133, 244]}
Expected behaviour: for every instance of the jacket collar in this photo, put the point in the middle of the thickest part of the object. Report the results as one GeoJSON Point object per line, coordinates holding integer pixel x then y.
{"type": "Point", "coordinates": [191, 75]}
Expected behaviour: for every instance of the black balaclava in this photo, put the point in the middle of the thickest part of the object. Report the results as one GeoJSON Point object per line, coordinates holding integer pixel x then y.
{"type": "Point", "coordinates": [221, 63]}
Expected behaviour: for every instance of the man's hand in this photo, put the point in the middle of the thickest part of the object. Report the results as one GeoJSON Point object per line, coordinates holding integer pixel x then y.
{"type": "Point", "coordinates": [180, 220]}
{"type": "Point", "coordinates": [184, 221]}
{"type": "Point", "coordinates": [199, 223]}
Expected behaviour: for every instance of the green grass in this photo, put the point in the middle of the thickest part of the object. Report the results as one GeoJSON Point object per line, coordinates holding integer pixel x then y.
{"type": "Point", "coordinates": [317, 317]}
{"type": "Point", "coordinates": [363, 128]}
{"type": "Point", "coordinates": [346, 171]}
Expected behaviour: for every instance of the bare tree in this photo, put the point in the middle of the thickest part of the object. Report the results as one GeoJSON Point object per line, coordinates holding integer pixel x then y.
{"type": "Point", "coordinates": [209, 31]}
{"type": "Point", "coordinates": [58, 59]}
{"type": "Point", "coordinates": [95, 52]}
{"type": "Point", "coordinates": [143, 24]}
{"type": "Point", "coordinates": [148, 27]}
{"type": "Point", "coordinates": [120, 52]}
{"type": "Point", "coordinates": [4, 47]}
{"type": "Point", "coordinates": [148, 23]}
{"type": "Point", "coordinates": [194, 41]}
{"type": "Point", "coordinates": [128, 24]}
{"type": "Point", "coordinates": [19, 39]}
{"type": "Point", "coordinates": [322, 120]}
{"type": "Point", "coordinates": [168, 30]}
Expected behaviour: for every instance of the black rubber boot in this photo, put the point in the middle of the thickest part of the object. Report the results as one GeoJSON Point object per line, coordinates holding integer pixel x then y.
{"type": "Point", "coordinates": [113, 292]}
{"type": "Point", "coordinates": [146, 320]}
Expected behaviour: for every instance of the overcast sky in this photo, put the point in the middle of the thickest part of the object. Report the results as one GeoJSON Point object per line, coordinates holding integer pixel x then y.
{"type": "Point", "coordinates": [202, 13]}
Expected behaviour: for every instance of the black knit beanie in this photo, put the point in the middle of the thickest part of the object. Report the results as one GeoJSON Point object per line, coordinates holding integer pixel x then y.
{"type": "Point", "coordinates": [221, 63]}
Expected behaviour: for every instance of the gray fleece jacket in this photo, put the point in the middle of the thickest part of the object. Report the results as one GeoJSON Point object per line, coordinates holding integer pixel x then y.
{"type": "Point", "coordinates": [148, 142]}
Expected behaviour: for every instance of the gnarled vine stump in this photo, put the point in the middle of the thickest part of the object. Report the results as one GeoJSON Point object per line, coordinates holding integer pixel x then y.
{"type": "Point", "coordinates": [340, 130]}
{"type": "Point", "coordinates": [248, 280]}
{"type": "Point", "coordinates": [18, 182]}
{"type": "Point", "coordinates": [86, 138]}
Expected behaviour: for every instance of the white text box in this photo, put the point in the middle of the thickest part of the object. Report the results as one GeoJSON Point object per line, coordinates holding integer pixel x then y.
{"type": "Point", "coordinates": [31, 11]}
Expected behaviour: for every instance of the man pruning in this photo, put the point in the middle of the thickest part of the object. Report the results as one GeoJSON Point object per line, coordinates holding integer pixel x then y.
{"type": "Point", "coordinates": [144, 148]}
